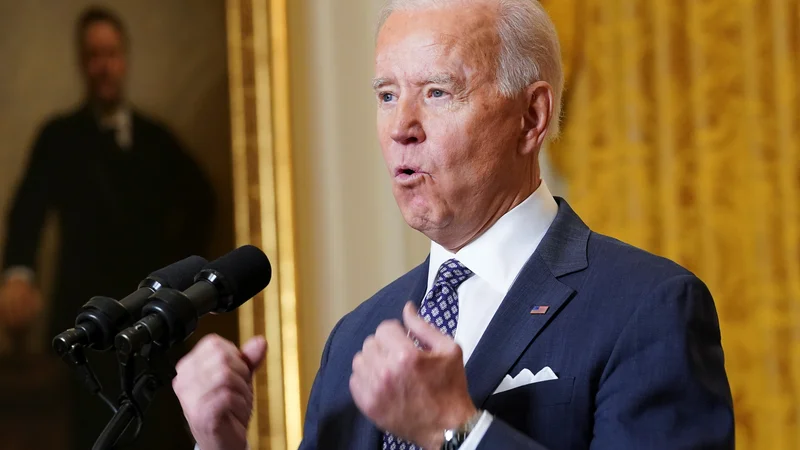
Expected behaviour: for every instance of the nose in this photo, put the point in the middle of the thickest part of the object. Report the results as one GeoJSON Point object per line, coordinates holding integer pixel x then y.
{"type": "Point", "coordinates": [407, 128]}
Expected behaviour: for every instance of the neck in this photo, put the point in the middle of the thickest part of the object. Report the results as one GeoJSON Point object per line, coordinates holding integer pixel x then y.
{"type": "Point", "coordinates": [498, 209]}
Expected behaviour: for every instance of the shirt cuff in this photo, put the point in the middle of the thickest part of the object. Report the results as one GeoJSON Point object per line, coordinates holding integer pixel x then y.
{"type": "Point", "coordinates": [19, 272]}
{"type": "Point", "coordinates": [476, 435]}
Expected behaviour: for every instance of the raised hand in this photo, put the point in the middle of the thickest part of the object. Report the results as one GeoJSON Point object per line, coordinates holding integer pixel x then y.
{"type": "Point", "coordinates": [414, 394]}
{"type": "Point", "coordinates": [214, 386]}
{"type": "Point", "coordinates": [20, 303]}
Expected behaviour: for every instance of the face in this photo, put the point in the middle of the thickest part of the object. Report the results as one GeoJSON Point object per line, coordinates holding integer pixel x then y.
{"type": "Point", "coordinates": [104, 64]}
{"type": "Point", "coordinates": [457, 151]}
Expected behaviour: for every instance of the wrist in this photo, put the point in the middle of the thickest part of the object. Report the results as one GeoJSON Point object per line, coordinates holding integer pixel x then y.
{"type": "Point", "coordinates": [462, 419]}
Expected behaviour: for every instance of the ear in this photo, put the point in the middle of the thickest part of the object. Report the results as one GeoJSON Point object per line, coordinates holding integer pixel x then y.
{"type": "Point", "coordinates": [538, 115]}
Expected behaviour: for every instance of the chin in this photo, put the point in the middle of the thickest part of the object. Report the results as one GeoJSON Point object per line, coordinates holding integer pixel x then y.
{"type": "Point", "coordinates": [421, 216]}
{"type": "Point", "coordinates": [109, 98]}
{"type": "Point", "coordinates": [414, 216]}
{"type": "Point", "coordinates": [422, 209]}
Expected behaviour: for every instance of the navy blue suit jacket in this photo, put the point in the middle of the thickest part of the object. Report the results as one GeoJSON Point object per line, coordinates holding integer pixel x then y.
{"type": "Point", "coordinates": [633, 338]}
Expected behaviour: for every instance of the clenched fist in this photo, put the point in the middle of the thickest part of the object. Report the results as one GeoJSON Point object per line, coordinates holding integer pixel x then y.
{"type": "Point", "coordinates": [20, 303]}
{"type": "Point", "coordinates": [412, 393]}
{"type": "Point", "coordinates": [214, 386]}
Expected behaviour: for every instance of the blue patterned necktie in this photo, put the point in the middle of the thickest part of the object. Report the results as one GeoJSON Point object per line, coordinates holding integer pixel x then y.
{"type": "Point", "coordinates": [439, 308]}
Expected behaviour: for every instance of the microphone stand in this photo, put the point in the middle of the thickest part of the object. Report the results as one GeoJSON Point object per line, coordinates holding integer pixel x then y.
{"type": "Point", "coordinates": [138, 392]}
{"type": "Point", "coordinates": [94, 327]}
{"type": "Point", "coordinates": [75, 357]}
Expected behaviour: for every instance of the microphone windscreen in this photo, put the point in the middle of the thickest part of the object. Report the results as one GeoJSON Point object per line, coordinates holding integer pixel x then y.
{"type": "Point", "coordinates": [247, 272]}
{"type": "Point", "coordinates": [180, 275]}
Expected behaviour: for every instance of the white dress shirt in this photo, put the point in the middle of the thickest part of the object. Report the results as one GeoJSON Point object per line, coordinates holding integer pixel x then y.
{"type": "Point", "coordinates": [496, 258]}
{"type": "Point", "coordinates": [121, 123]}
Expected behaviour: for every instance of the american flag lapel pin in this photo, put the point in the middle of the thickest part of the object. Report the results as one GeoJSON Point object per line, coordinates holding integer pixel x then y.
{"type": "Point", "coordinates": [539, 309]}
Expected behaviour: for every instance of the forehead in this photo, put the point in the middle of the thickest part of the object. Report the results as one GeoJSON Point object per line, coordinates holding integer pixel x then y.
{"type": "Point", "coordinates": [458, 36]}
{"type": "Point", "coordinates": [101, 31]}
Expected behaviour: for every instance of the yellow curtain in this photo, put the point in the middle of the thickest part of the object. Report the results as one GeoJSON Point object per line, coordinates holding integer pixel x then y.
{"type": "Point", "coordinates": [681, 136]}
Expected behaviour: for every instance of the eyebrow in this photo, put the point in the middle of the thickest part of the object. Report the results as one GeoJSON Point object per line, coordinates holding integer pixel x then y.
{"type": "Point", "coordinates": [439, 78]}
{"type": "Point", "coordinates": [378, 83]}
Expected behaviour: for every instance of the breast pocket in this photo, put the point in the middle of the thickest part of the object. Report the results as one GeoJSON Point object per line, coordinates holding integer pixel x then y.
{"type": "Point", "coordinates": [539, 410]}
{"type": "Point", "coordinates": [536, 395]}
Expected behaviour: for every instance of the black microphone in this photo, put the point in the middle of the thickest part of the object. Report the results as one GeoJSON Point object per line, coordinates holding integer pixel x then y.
{"type": "Point", "coordinates": [222, 286]}
{"type": "Point", "coordinates": [101, 318]}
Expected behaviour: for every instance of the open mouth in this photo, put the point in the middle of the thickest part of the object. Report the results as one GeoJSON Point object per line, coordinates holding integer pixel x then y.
{"type": "Point", "coordinates": [406, 172]}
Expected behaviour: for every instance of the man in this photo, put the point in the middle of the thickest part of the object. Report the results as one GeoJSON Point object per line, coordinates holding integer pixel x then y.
{"type": "Point", "coordinates": [127, 197]}
{"type": "Point", "coordinates": [525, 329]}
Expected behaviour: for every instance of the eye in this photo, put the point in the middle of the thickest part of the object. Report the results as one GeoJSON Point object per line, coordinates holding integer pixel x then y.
{"type": "Point", "coordinates": [386, 97]}
{"type": "Point", "coordinates": [437, 93]}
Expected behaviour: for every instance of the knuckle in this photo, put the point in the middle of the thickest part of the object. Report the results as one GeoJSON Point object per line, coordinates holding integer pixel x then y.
{"type": "Point", "coordinates": [208, 340]}
{"type": "Point", "coordinates": [387, 326]}
{"type": "Point", "coordinates": [369, 342]}
{"type": "Point", "coordinates": [180, 367]}
{"type": "Point", "coordinates": [358, 362]}
{"type": "Point", "coordinates": [223, 377]}
{"type": "Point", "coordinates": [218, 344]}
{"type": "Point", "coordinates": [385, 377]}
{"type": "Point", "coordinates": [217, 347]}
{"type": "Point", "coordinates": [370, 346]}
{"type": "Point", "coordinates": [353, 383]}
{"type": "Point", "coordinates": [218, 357]}
{"type": "Point", "coordinates": [407, 357]}
{"type": "Point", "coordinates": [177, 385]}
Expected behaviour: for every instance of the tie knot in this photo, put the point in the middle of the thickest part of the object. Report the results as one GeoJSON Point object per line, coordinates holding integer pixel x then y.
{"type": "Point", "coordinates": [452, 272]}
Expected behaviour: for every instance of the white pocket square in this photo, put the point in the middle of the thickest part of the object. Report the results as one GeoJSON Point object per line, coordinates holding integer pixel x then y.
{"type": "Point", "coordinates": [524, 378]}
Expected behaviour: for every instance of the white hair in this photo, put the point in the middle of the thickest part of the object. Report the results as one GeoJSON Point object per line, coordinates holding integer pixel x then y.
{"type": "Point", "coordinates": [529, 47]}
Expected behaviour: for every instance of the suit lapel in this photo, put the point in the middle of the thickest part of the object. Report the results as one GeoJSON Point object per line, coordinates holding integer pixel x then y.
{"type": "Point", "coordinates": [418, 290]}
{"type": "Point", "coordinates": [370, 437]}
{"type": "Point", "coordinates": [514, 328]}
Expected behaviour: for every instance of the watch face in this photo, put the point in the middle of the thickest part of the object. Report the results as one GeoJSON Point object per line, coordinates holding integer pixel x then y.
{"type": "Point", "coordinates": [453, 439]}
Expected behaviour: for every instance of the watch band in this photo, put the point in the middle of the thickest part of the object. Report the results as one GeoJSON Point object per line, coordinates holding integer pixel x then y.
{"type": "Point", "coordinates": [454, 438]}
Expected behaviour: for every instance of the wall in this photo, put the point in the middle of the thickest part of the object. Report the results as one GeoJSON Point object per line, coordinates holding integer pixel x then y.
{"type": "Point", "coordinates": [178, 74]}
{"type": "Point", "coordinates": [351, 237]}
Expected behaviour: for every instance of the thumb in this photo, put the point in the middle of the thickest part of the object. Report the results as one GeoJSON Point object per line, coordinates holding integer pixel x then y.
{"type": "Point", "coordinates": [427, 334]}
{"type": "Point", "coordinates": [254, 351]}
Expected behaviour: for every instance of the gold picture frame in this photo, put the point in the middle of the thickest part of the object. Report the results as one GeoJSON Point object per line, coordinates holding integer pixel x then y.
{"type": "Point", "coordinates": [258, 67]}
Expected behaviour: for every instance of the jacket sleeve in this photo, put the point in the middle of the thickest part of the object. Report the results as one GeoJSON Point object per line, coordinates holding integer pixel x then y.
{"type": "Point", "coordinates": [29, 207]}
{"type": "Point", "coordinates": [664, 386]}
{"type": "Point", "coordinates": [311, 426]}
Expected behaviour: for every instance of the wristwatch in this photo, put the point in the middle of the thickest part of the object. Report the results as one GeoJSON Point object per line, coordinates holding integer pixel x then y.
{"type": "Point", "coordinates": [453, 438]}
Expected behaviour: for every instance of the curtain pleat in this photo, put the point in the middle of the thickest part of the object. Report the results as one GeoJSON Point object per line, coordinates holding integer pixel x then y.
{"type": "Point", "coordinates": [682, 136]}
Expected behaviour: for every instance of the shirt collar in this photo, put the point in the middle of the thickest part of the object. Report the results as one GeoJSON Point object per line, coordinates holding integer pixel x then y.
{"type": "Point", "coordinates": [120, 118]}
{"type": "Point", "coordinates": [120, 122]}
{"type": "Point", "coordinates": [499, 254]}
